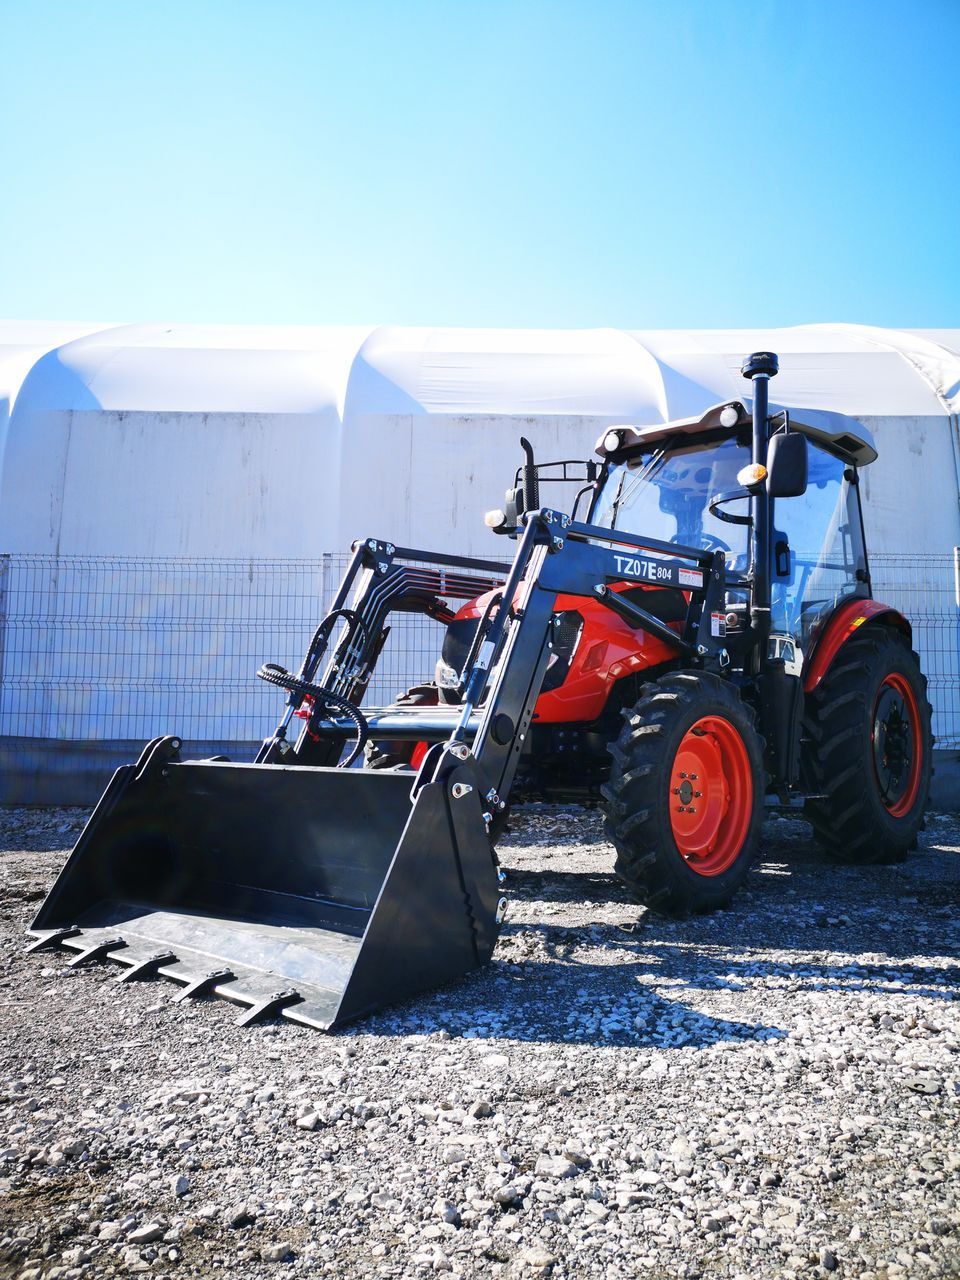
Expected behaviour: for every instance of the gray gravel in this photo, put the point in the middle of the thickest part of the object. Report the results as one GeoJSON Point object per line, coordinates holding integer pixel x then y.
{"type": "Point", "coordinates": [770, 1091]}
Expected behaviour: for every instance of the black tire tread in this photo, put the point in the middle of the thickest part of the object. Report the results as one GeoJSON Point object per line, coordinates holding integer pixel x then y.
{"type": "Point", "coordinates": [633, 800]}
{"type": "Point", "coordinates": [847, 816]}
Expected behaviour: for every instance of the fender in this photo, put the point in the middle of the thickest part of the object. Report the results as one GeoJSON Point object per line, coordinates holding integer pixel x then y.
{"type": "Point", "coordinates": [838, 628]}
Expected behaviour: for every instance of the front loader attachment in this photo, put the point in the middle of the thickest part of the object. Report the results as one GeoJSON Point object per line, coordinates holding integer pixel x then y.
{"type": "Point", "coordinates": [321, 893]}
{"type": "Point", "coordinates": [317, 893]}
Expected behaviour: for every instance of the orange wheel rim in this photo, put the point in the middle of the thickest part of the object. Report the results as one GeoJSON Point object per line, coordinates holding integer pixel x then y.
{"type": "Point", "coordinates": [896, 744]}
{"type": "Point", "coordinates": [711, 796]}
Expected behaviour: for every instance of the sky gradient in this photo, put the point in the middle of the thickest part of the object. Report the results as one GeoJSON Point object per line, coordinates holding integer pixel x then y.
{"type": "Point", "coordinates": [655, 164]}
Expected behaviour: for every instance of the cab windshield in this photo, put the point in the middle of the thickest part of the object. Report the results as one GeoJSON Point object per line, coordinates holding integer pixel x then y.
{"type": "Point", "coordinates": [664, 494]}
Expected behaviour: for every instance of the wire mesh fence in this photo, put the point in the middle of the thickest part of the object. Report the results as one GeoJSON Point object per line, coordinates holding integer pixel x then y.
{"type": "Point", "coordinates": [926, 589]}
{"type": "Point", "coordinates": [107, 649]}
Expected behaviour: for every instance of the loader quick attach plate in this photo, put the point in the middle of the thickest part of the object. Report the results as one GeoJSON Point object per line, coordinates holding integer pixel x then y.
{"type": "Point", "coordinates": [319, 894]}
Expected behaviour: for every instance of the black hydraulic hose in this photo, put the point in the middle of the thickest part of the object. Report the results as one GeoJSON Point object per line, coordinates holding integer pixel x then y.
{"type": "Point", "coordinates": [282, 678]}
{"type": "Point", "coordinates": [321, 638]}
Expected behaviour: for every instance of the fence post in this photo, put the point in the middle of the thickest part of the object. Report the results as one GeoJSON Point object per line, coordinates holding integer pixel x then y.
{"type": "Point", "coordinates": [4, 579]}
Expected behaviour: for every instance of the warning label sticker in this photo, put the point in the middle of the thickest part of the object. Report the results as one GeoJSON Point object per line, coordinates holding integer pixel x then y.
{"type": "Point", "coordinates": [718, 624]}
{"type": "Point", "coordinates": [691, 578]}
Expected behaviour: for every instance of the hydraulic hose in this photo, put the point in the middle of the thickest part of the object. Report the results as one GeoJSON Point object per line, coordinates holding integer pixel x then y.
{"type": "Point", "coordinates": [279, 676]}
{"type": "Point", "coordinates": [321, 638]}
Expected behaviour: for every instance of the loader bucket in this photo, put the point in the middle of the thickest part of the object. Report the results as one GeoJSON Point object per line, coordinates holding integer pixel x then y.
{"type": "Point", "coordinates": [317, 893]}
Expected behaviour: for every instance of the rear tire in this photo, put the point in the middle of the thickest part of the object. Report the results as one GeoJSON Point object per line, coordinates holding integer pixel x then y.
{"type": "Point", "coordinates": [684, 802]}
{"type": "Point", "coordinates": [868, 749]}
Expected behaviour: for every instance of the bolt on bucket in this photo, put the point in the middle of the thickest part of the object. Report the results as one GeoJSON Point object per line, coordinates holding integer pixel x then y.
{"type": "Point", "coordinates": [318, 893]}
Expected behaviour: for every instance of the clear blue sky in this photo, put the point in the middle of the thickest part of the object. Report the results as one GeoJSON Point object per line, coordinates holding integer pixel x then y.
{"type": "Point", "coordinates": [648, 164]}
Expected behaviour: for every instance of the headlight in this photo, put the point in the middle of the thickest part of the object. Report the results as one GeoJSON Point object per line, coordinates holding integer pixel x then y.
{"type": "Point", "coordinates": [567, 629]}
{"type": "Point", "coordinates": [612, 441]}
{"type": "Point", "coordinates": [446, 677]}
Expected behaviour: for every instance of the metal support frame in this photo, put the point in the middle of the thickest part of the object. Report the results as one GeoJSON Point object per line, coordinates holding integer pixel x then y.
{"type": "Point", "coordinates": [509, 659]}
{"type": "Point", "coordinates": [760, 368]}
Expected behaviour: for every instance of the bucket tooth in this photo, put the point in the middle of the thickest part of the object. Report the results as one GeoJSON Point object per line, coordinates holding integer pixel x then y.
{"type": "Point", "coordinates": [204, 984]}
{"type": "Point", "coordinates": [53, 938]}
{"type": "Point", "coordinates": [311, 1012]}
{"type": "Point", "coordinates": [272, 1003]}
{"type": "Point", "coordinates": [147, 967]}
{"type": "Point", "coordinates": [96, 951]}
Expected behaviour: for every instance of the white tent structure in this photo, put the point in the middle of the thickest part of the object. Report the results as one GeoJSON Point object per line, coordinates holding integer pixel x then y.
{"type": "Point", "coordinates": [293, 440]}
{"type": "Point", "coordinates": [179, 444]}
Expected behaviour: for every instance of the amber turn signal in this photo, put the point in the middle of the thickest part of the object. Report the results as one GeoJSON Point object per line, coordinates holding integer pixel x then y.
{"type": "Point", "coordinates": [752, 475]}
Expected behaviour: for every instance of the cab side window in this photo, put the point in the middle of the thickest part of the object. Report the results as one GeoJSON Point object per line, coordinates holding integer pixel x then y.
{"type": "Point", "coordinates": [817, 548]}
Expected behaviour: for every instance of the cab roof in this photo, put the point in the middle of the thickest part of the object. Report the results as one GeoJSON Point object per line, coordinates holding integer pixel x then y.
{"type": "Point", "coordinates": [835, 432]}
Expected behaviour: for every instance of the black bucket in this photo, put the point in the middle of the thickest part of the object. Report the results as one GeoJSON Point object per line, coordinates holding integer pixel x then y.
{"type": "Point", "coordinates": [317, 893]}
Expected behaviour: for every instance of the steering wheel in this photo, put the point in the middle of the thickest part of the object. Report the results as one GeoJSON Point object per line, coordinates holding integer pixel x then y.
{"type": "Point", "coordinates": [708, 542]}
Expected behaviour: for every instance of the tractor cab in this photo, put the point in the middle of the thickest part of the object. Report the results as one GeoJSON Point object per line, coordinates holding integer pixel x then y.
{"type": "Point", "coordinates": [689, 482]}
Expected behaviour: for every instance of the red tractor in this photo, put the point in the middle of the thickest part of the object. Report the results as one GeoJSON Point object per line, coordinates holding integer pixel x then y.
{"type": "Point", "coordinates": [699, 643]}
{"type": "Point", "coordinates": [814, 702]}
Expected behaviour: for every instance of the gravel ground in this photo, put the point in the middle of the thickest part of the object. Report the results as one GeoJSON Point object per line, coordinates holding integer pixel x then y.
{"type": "Point", "coordinates": [770, 1091]}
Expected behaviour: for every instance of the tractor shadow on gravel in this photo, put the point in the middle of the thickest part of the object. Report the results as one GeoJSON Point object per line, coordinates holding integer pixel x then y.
{"type": "Point", "coordinates": [601, 1005]}
{"type": "Point", "coordinates": [596, 968]}
{"type": "Point", "coordinates": [647, 992]}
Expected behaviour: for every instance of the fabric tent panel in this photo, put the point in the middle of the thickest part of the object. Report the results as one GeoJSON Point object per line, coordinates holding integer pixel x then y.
{"type": "Point", "coordinates": [599, 372]}
{"type": "Point", "coordinates": [143, 484]}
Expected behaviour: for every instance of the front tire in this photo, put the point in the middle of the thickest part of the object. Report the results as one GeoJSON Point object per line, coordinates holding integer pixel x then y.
{"type": "Point", "coordinates": [868, 749]}
{"type": "Point", "coordinates": [684, 802]}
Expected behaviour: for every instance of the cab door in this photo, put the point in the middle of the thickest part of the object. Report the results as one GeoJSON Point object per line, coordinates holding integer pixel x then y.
{"type": "Point", "coordinates": [817, 552]}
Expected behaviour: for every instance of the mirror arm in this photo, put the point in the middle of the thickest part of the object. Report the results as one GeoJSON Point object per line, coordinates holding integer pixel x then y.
{"type": "Point", "coordinates": [713, 506]}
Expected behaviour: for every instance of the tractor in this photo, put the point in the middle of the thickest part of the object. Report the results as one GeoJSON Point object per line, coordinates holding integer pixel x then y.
{"type": "Point", "coordinates": [690, 640]}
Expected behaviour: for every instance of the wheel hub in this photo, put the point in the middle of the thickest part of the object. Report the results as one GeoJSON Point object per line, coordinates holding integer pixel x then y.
{"type": "Point", "coordinates": [711, 795]}
{"type": "Point", "coordinates": [896, 753]}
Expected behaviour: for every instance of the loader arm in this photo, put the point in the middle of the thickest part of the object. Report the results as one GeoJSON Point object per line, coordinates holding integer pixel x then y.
{"type": "Point", "coordinates": [557, 556]}
{"type": "Point", "coordinates": [514, 642]}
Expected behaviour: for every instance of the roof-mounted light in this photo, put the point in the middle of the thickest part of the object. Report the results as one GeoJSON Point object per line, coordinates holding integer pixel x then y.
{"type": "Point", "coordinates": [612, 441]}
{"type": "Point", "coordinates": [729, 415]}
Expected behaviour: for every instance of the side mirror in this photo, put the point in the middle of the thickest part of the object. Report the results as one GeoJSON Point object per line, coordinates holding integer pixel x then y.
{"type": "Point", "coordinates": [506, 519]}
{"type": "Point", "coordinates": [787, 465]}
